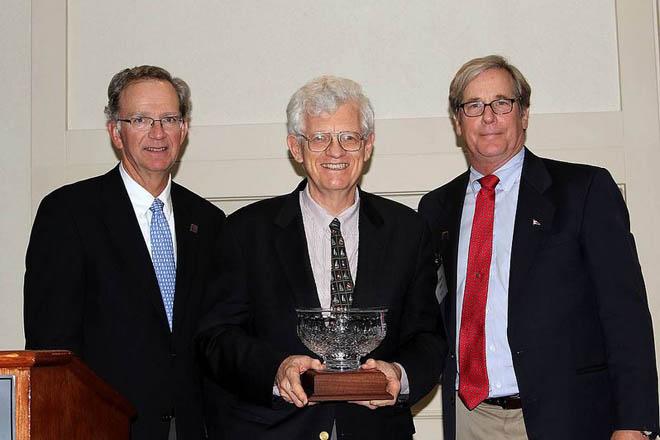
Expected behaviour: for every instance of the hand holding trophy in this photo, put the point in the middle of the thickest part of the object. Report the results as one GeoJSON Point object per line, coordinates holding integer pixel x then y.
{"type": "Point", "coordinates": [341, 336]}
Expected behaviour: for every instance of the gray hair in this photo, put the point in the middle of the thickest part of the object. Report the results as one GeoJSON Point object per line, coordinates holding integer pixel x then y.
{"type": "Point", "coordinates": [476, 66]}
{"type": "Point", "coordinates": [325, 95]}
{"type": "Point", "coordinates": [126, 77]}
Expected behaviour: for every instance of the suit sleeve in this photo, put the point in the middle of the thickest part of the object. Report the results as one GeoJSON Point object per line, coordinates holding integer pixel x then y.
{"type": "Point", "coordinates": [237, 361]}
{"type": "Point", "coordinates": [423, 347]}
{"type": "Point", "coordinates": [54, 280]}
{"type": "Point", "coordinates": [611, 257]}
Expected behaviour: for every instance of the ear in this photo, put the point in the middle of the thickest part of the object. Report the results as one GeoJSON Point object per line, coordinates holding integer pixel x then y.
{"type": "Point", "coordinates": [369, 146]}
{"type": "Point", "coordinates": [457, 125]}
{"type": "Point", "coordinates": [115, 135]}
{"type": "Point", "coordinates": [295, 147]}
{"type": "Point", "coordinates": [184, 132]}
{"type": "Point", "coordinates": [525, 118]}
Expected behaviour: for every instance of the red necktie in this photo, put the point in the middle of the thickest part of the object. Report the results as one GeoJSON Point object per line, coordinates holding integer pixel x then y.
{"type": "Point", "coordinates": [473, 375]}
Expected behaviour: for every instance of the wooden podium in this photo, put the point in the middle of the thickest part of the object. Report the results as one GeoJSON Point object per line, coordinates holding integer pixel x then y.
{"type": "Point", "coordinates": [52, 395]}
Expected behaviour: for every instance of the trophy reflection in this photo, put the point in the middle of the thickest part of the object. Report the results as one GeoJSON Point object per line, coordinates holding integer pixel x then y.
{"type": "Point", "coordinates": [341, 336]}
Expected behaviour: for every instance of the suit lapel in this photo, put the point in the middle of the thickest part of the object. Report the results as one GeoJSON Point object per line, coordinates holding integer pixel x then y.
{"type": "Point", "coordinates": [534, 216]}
{"type": "Point", "coordinates": [127, 238]}
{"type": "Point", "coordinates": [373, 237]}
{"type": "Point", "coordinates": [186, 241]}
{"type": "Point", "coordinates": [448, 239]}
{"type": "Point", "coordinates": [291, 247]}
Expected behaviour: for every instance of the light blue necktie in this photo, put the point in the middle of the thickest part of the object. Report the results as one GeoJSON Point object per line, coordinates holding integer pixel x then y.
{"type": "Point", "coordinates": [162, 255]}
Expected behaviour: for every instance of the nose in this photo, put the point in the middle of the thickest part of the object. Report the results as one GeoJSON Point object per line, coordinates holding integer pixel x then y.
{"type": "Point", "coordinates": [156, 130]}
{"type": "Point", "coordinates": [488, 116]}
{"type": "Point", "coordinates": [334, 149]}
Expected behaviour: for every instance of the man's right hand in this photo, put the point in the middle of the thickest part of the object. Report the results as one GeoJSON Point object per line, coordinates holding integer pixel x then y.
{"type": "Point", "coordinates": [288, 378]}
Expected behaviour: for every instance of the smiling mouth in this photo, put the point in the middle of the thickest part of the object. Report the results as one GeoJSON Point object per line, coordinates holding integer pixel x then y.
{"type": "Point", "coordinates": [155, 149]}
{"type": "Point", "coordinates": [335, 166]}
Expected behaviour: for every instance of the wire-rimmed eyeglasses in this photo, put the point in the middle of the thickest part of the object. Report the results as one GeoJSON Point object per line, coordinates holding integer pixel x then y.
{"type": "Point", "coordinates": [145, 122]}
{"type": "Point", "coordinates": [320, 141]}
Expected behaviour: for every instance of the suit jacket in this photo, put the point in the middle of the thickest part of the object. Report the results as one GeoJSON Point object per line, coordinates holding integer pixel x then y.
{"type": "Point", "coordinates": [253, 327]}
{"type": "Point", "coordinates": [579, 327]}
{"type": "Point", "coordinates": [90, 287]}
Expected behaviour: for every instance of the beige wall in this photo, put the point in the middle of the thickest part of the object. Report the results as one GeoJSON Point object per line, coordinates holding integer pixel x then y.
{"type": "Point", "coordinates": [592, 65]}
{"type": "Point", "coordinates": [15, 173]}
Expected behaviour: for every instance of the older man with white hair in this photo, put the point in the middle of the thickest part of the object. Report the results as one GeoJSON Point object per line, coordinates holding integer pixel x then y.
{"type": "Point", "coordinates": [279, 258]}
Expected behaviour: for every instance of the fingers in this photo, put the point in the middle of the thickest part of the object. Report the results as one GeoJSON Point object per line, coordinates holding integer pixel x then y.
{"type": "Point", "coordinates": [288, 382]}
{"type": "Point", "coordinates": [393, 375]}
{"type": "Point", "coordinates": [373, 404]}
{"type": "Point", "coordinates": [370, 364]}
{"type": "Point", "coordinates": [314, 365]}
{"type": "Point", "coordinates": [366, 403]}
{"type": "Point", "coordinates": [288, 378]}
{"type": "Point", "coordinates": [628, 435]}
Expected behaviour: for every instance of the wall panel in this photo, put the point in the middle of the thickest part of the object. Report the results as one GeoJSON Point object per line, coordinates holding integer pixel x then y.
{"type": "Point", "coordinates": [592, 65]}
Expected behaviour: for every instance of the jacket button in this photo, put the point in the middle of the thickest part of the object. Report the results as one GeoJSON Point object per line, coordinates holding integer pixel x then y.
{"type": "Point", "coordinates": [323, 435]}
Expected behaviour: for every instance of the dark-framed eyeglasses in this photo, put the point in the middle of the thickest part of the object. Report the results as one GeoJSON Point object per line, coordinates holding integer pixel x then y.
{"type": "Point", "coordinates": [144, 123]}
{"type": "Point", "coordinates": [320, 141]}
{"type": "Point", "coordinates": [500, 106]}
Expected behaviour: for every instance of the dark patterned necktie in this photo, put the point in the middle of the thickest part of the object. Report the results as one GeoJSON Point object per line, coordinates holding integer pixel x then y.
{"type": "Point", "coordinates": [473, 373]}
{"type": "Point", "coordinates": [341, 283]}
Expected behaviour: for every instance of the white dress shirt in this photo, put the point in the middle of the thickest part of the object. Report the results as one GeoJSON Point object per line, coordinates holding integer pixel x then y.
{"type": "Point", "coordinates": [316, 222]}
{"type": "Point", "coordinates": [141, 199]}
{"type": "Point", "coordinates": [501, 376]}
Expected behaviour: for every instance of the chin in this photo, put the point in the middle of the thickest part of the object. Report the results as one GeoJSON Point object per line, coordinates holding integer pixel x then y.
{"type": "Point", "coordinates": [336, 186]}
{"type": "Point", "coordinates": [163, 165]}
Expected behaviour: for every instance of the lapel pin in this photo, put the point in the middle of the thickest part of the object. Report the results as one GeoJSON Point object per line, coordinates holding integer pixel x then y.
{"type": "Point", "coordinates": [535, 222]}
{"type": "Point", "coordinates": [445, 235]}
{"type": "Point", "coordinates": [193, 228]}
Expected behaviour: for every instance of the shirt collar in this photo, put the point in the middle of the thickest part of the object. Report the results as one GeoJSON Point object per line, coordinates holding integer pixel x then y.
{"type": "Point", "coordinates": [320, 217]}
{"type": "Point", "coordinates": [509, 173]}
{"type": "Point", "coordinates": [141, 199]}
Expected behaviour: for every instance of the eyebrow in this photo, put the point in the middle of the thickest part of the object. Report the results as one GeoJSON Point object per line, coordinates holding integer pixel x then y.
{"type": "Point", "coordinates": [498, 96]}
{"type": "Point", "coordinates": [161, 115]}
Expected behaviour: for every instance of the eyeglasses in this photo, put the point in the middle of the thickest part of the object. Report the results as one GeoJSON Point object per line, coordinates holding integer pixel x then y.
{"type": "Point", "coordinates": [348, 140]}
{"type": "Point", "coordinates": [500, 106]}
{"type": "Point", "coordinates": [145, 122]}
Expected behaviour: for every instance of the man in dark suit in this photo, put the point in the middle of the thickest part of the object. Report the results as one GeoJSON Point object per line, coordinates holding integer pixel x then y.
{"type": "Point", "coordinates": [279, 258]}
{"type": "Point", "coordinates": [117, 264]}
{"type": "Point", "coordinates": [549, 331]}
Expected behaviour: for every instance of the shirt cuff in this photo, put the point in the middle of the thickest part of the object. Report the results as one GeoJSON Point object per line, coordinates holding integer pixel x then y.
{"type": "Point", "coordinates": [405, 385]}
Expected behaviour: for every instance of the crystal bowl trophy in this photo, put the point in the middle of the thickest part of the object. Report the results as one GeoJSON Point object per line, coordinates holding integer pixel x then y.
{"type": "Point", "coordinates": [341, 336]}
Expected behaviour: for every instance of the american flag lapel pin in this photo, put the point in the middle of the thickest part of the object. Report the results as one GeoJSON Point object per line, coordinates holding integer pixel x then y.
{"type": "Point", "coordinates": [193, 228]}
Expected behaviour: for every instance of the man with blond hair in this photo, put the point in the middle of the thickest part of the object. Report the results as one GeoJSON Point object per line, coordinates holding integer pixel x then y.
{"type": "Point", "coordinates": [546, 314]}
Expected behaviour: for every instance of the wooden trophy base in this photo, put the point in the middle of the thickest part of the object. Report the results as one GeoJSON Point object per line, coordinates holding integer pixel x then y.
{"type": "Point", "coordinates": [324, 385]}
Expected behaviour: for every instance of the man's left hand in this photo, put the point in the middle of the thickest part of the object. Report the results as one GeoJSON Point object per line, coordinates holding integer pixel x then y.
{"type": "Point", "coordinates": [628, 435]}
{"type": "Point", "coordinates": [392, 373]}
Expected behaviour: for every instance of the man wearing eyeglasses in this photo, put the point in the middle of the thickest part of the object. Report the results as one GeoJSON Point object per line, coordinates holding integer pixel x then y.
{"type": "Point", "coordinates": [282, 254]}
{"type": "Point", "coordinates": [548, 325]}
{"type": "Point", "coordinates": [117, 264]}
